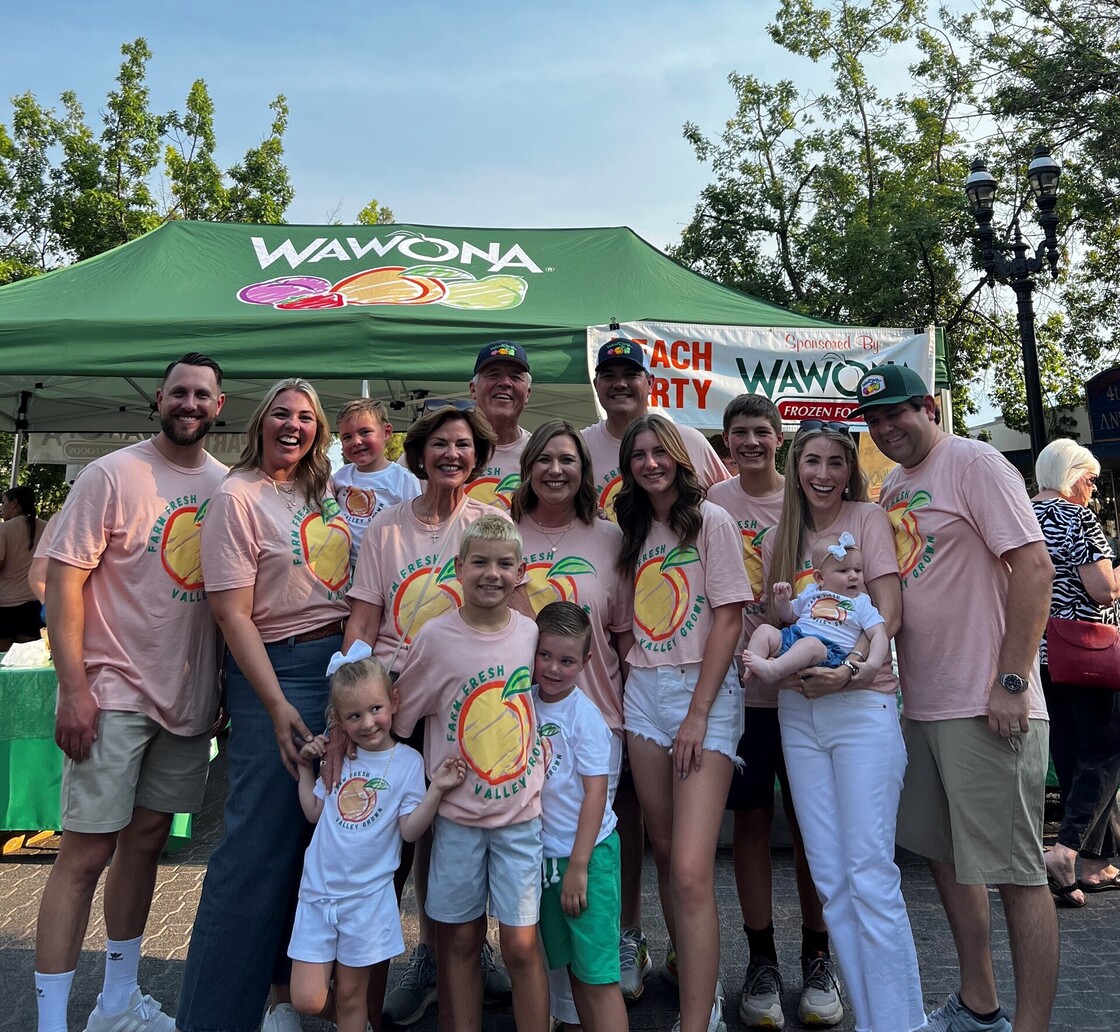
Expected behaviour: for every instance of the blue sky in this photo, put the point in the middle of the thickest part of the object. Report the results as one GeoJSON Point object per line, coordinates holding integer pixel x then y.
{"type": "Point", "coordinates": [496, 114]}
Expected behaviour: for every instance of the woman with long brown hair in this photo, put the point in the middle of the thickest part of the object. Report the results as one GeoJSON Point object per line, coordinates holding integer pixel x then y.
{"type": "Point", "coordinates": [20, 533]}
{"type": "Point", "coordinates": [682, 706]}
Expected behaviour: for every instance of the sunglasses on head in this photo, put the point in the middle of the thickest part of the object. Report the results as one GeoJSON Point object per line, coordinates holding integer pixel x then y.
{"type": "Point", "coordinates": [826, 424]}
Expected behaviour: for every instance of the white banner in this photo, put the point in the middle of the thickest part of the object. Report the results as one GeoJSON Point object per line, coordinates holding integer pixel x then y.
{"type": "Point", "coordinates": [79, 449]}
{"type": "Point", "coordinates": [808, 373]}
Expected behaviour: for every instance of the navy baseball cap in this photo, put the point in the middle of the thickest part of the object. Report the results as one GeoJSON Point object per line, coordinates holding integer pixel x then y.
{"type": "Point", "coordinates": [888, 384]}
{"type": "Point", "coordinates": [624, 350]}
{"type": "Point", "coordinates": [504, 351]}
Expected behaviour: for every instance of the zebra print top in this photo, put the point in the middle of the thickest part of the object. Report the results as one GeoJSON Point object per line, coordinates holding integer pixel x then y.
{"type": "Point", "coordinates": [1074, 538]}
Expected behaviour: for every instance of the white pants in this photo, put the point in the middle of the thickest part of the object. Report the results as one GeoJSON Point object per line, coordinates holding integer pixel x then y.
{"type": "Point", "coordinates": [846, 760]}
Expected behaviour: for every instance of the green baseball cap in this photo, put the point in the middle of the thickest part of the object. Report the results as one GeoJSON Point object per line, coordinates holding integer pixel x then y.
{"type": "Point", "coordinates": [888, 384]}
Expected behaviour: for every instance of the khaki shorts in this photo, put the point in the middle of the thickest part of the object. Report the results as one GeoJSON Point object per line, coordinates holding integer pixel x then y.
{"type": "Point", "coordinates": [975, 800]}
{"type": "Point", "coordinates": [133, 762]}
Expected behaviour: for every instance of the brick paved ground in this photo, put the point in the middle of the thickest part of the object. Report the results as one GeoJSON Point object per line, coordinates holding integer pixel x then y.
{"type": "Point", "coordinates": [1088, 999]}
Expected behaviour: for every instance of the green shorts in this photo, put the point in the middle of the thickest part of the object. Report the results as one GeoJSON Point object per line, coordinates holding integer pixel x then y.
{"type": "Point", "coordinates": [588, 944]}
{"type": "Point", "coordinates": [975, 800]}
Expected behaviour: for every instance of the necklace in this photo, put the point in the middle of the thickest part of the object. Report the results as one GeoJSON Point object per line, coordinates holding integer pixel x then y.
{"type": "Point", "coordinates": [555, 542]}
{"type": "Point", "coordinates": [288, 494]}
{"type": "Point", "coordinates": [426, 516]}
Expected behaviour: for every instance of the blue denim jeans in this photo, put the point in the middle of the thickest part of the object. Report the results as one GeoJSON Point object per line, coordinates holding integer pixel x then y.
{"type": "Point", "coordinates": [239, 944]}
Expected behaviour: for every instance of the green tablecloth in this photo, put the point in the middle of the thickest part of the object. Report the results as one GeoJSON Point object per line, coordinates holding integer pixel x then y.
{"type": "Point", "coordinates": [30, 762]}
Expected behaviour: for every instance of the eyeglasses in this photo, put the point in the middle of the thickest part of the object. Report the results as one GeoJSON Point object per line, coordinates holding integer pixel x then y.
{"type": "Point", "coordinates": [826, 424]}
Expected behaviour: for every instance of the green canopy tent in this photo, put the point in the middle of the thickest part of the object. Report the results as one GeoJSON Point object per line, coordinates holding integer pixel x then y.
{"type": "Point", "coordinates": [403, 307]}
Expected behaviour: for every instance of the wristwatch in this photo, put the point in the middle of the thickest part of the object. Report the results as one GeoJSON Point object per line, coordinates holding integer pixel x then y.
{"type": "Point", "coordinates": [851, 666]}
{"type": "Point", "coordinates": [1012, 682]}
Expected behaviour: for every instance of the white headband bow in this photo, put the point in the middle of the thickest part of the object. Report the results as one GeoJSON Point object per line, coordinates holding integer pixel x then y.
{"type": "Point", "coordinates": [355, 654]}
{"type": "Point", "coordinates": [840, 549]}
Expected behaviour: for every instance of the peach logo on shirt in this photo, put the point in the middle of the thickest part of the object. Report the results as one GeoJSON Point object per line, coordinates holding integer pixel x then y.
{"type": "Point", "coordinates": [179, 546]}
{"type": "Point", "coordinates": [495, 491]}
{"type": "Point", "coordinates": [752, 558]}
{"type": "Point", "coordinates": [827, 609]}
{"type": "Point", "coordinates": [495, 728]}
{"type": "Point", "coordinates": [424, 594]}
{"type": "Point", "coordinates": [326, 549]}
{"type": "Point", "coordinates": [360, 503]}
{"type": "Point", "coordinates": [555, 582]}
{"type": "Point", "coordinates": [546, 732]}
{"type": "Point", "coordinates": [661, 593]}
{"type": "Point", "coordinates": [908, 541]}
{"type": "Point", "coordinates": [357, 797]}
{"type": "Point", "coordinates": [607, 497]}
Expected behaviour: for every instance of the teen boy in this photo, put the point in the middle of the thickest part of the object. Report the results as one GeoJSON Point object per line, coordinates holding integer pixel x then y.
{"type": "Point", "coordinates": [470, 670]}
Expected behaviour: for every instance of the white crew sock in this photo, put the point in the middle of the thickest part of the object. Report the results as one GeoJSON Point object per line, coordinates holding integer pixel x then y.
{"type": "Point", "coordinates": [122, 960]}
{"type": "Point", "coordinates": [52, 994]}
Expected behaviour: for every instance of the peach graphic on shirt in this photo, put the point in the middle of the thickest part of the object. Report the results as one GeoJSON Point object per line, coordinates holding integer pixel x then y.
{"type": "Point", "coordinates": [752, 558]}
{"type": "Point", "coordinates": [545, 734]}
{"type": "Point", "coordinates": [357, 797]}
{"type": "Point", "coordinates": [425, 593]}
{"type": "Point", "coordinates": [908, 540]}
{"type": "Point", "coordinates": [326, 549]}
{"type": "Point", "coordinates": [607, 497]}
{"type": "Point", "coordinates": [661, 593]}
{"type": "Point", "coordinates": [360, 503]}
{"type": "Point", "coordinates": [179, 546]}
{"type": "Point", "coordinates": [553, 582]}
{"type": "Point", "coordinates": [495, 728]}
{"type": "Point", "coordinates": [830, 610]}
{"type": "Point", "coordinates": [492, 491]}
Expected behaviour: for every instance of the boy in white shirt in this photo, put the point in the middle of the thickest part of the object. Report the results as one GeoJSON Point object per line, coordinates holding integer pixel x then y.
{"type": "Point", "coordinates": [581, 902]}
{"type": "Point", "coordinates": [369, 482]}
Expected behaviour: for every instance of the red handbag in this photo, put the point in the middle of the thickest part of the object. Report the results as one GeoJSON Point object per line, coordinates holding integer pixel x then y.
{"type": "Point", "coordinates": [1083, 653]}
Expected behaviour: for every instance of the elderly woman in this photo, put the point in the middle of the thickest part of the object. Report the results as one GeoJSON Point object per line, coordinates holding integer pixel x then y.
{"type": "Point", "coordinates": [842, 742]}
{"type": "Point", "coordinates": [1084, 722]}
{"type": "Point", "coordinates": [20, 532]}
{"type": "Point", "coordinates": [276, 560]}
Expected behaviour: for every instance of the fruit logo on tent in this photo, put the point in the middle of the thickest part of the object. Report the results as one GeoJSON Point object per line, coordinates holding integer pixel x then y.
{"type": "Point", "coordinates": [495, 491]}
{"type": "Point", "coordinates": [554, 582]}
{"type": "Point", "coordinates": [496, 729]}
{"type": "Point", "coordinates": [910, 546]}
{"type": "Point", "coordinates": [423, 594]}
{"type": "Point", "coordinates": [828, 609]}
{"type": "Point", "coordinates": [661, 593]}
{"type": "Point", "coordinates": [179, 546]}
{"type": "Point", "coordinates": [390, 285]}
{"type": "Point", "coordinates": [357, 798]}
{"type": "Point", "coordinates": [326, 549]}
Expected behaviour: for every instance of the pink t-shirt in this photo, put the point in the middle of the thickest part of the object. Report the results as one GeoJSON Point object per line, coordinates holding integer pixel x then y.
{"type": "Point", "coordinates": [605, 451]}
{"type": "Point", "coordinates": [502, 475]}
{"type": "Point", "coordinates": [864, 521]}
{"type": "Point", "coordinates": [475, 686]}
{"type": "Point", "coordinates": [402, 566]}
{"type": "Point", "coordinates": [955, 513]}
{"type": "Point", "coordinates": [297, 563]}
{"type": "Point", "coordinates": [150, 643]}
{"type": "Point", "coordinates": [675, 589]}
{"type": "Point", "coordinates": [16, 551]}
{"type": "Point", "coordinates": [581, 569]}
{"type": "Point", "coordinates": [755, 515]}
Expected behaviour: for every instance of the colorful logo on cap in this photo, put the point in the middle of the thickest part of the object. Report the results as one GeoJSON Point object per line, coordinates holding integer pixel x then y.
{"type": "Point", "coordinates": [619, 350]}
{"type": "Point", "coordinates": [872, 385]}
{"type": "Point", "coordinates": [501, 351]}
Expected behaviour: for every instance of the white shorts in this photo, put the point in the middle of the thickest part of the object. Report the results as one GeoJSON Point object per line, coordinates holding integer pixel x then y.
{"type": "Point", "coordinates": [656, 700]}
{"type": "Point", "coordinates": [357, 931]}
{"type": "Point", "coordinates": [470, 865]}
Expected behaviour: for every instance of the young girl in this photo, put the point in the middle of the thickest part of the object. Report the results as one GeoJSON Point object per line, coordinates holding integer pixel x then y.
{"type": "Point", "coordinates": [683, 706]}
{"type": "Point", "coordinates": [831, 614]}
{"type": "Point", "coordinates": [347, 919]}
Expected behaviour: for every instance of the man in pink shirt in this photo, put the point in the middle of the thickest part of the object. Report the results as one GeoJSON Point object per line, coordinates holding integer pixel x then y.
{"type": "Point", "coordinates": [137, 656]}
{"type": "Point", "coordinates": [976, 580]}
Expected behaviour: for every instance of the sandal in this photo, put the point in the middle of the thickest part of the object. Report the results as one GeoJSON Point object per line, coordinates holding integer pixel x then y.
{"type": "Point", "coordinates": [1108, 885]}
{"type": "Point", "coordinates": [1063, 894]}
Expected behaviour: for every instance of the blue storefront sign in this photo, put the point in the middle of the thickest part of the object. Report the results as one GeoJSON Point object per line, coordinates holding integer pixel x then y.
{"type": "Point", "coordinates": [1102, 395]}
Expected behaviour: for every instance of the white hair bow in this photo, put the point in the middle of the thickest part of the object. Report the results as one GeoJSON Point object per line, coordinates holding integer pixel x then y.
{"type": "Point", "coordinates": [355, 654]}
{"type": "Point", "coordinates": [840, 549]}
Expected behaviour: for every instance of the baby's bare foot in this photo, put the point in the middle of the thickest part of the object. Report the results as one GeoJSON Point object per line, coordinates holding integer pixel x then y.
{"type": "Point", "coordinates": [761, 667]}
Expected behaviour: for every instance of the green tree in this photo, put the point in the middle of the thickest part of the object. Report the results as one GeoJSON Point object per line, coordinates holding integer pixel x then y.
{"type": "Point", "coordinates": [374, 214]}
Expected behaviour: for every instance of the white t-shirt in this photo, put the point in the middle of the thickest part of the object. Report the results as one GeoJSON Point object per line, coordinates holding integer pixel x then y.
{"type": "Point", "coordinates": [834, 618]}
{"type": "Point", "coordinates": [356, 847]}
{"type": "Point", "coordinates": [575, 741]}
{"type": "Point", "coordinates": [361, 496]}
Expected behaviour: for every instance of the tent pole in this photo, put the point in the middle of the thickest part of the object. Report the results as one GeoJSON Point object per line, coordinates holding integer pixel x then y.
{"type": "Point", "coordinates": [21, 429]}
{"type": "Point", "coordinates": [365, 388]}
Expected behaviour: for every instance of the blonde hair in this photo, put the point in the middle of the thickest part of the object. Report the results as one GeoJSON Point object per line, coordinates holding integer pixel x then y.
{"type": "Point", "coordinates": [314, 469]}
{"type": "Point", "coordinates": [790, 532]}
{"type": "Point", "coordinates": [348, 676]}
{"type": "Point", "coordinates": [490, 528]}
{"type": "Point", "coordinates": [1062, 463]}
{"type": "Point", "coordinates": [363, 407]}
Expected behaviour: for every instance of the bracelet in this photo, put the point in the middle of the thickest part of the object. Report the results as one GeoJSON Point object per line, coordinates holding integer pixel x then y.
{"type": "Point", "coordinates": [856, 652]}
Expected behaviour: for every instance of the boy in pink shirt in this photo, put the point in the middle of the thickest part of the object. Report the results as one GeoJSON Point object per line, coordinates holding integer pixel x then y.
{"type": "Point", "coordinates": [470, 669]}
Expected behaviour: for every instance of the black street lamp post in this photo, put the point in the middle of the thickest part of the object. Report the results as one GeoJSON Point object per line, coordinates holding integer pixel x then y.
{"type": "Point", "coordinates": [1019, 269]}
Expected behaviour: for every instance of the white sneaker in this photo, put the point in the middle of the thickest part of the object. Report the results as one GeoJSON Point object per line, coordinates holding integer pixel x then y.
{"type": "Point", "coordinates": [634, 963]}
{"type": "Point", "coordinates": [143, 1014]}
{"type": "Point", "coordinates": [281, 1018]}
{"type": "Point", "coordinates": [715, 1019]}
